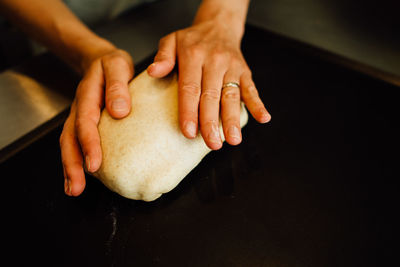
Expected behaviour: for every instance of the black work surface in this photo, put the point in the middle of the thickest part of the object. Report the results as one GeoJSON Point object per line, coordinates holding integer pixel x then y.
{"type": "Point", "coordinates": [314, 187]}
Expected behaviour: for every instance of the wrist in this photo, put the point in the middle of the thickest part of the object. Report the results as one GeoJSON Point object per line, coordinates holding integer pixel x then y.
{"type": "Point", "coordinates": [79, 48]}
{"type": "Point", "coordinates": [77, 44]}
{"type": "Point", "coordinates": [230, 14]}
{"type": "Point", "coordinates": [92, 49]}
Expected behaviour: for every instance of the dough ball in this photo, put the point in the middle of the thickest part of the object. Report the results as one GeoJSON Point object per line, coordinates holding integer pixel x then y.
{"type": "Point", "coordinates": [145, 154]}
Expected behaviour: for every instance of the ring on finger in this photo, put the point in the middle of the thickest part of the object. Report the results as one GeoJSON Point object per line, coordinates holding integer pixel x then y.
{"type": "Point", "coordinates": [231, 84]}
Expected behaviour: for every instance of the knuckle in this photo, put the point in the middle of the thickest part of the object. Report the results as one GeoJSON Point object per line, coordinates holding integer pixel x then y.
{"type": "Point", "coordinates": [115, 87]}
{"type": "Point", "coordinates": [219, 56]}
{"type": "Point", "coordinates": [115, 58]}
{"type": "Point", "coordinates": [236, 63]}
{"type": "Point", "coordinates": [162, 54]}
{"type": "Point", "coordinates": [191, 89]}
{"type": "Point", "coordinates": [195, 50]}
{"type": "Point", "coordinates": [120, 52]}
{"type": "Point", "coordinates": [119, 59]}
{"type": "Point", "coordinates": [63, 137]}
{"type": "Point", "coordinates": [188, 36]}
{"type": "Point", "coordinates": [209, 124]}
{"type": "Point", "coordinates": [252, 93]}
{"type": "Point", "coordinates": [79, 124]}
{"type": "Point", "coordinates": [211, 94]}
{"type": "Point", "coordinates": [84, 123]}
{"type": "Point", "coordinates": [230, 93]}
{"type": "Point", "coordinates": [68, 133]}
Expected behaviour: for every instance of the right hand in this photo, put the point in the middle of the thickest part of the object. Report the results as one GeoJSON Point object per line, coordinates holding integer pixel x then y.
{"type": "Point", "coordinates": [105, 81]}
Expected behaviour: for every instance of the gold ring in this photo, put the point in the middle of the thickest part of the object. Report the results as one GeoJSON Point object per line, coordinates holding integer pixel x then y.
{"type": "Point", "coordinates": [230, 84]}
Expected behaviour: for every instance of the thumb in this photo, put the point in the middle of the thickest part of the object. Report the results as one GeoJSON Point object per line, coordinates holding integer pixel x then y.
{"type": "Point", "coordinates": [164, 61]}
{"type": "Point", "coordinates": [118, 71]}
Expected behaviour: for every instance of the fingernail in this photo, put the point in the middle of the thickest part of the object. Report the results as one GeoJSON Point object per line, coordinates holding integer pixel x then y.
{"type": "Point", "coordinates": [213, 136]}
{"type": "Point", "coordinates": [119, 104]}
{"type": "Point", "coordinates": [266, 117]}
{"type": "Point", "coordinates": [67, 186]}
{"type": "Point", "coordinates": [87, 161]}
{"type": "Point", "coordinates": [151, 66]}
{"type": "Point", "coordinates": [190, 128]}
{"type": "Point", "coordinates": [234, 132]}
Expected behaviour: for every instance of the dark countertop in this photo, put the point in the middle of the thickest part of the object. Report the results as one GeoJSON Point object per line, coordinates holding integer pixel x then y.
{"type": "Point", "coordinates": [314, 187]}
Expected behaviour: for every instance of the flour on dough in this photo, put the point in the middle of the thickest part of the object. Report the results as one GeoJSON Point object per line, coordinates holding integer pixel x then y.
{"type": "Point", "coordinates": [145, 154]}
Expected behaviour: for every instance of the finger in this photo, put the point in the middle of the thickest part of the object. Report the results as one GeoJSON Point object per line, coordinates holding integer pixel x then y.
{"type": "Point", "coordinates": [74, 176]}
{"type": "Point", "coordinates": [90, 99]}
{"type": "Point", "coordinates": [118, 71]}
{"type": "Point", "coordinates": [209, 105]}
{"type": "Point", "coordinates": [230, 109]}
{"type": "Point", "coordinates": [190, 71]}
{"type": "Point", "coordinates": [165, 58]}
{"type": "Point", "coordinates": [252, 100]}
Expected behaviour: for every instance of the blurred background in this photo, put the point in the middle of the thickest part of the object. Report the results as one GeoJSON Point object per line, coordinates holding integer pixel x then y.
{"type": "Point", "coordinates": [365, 31]}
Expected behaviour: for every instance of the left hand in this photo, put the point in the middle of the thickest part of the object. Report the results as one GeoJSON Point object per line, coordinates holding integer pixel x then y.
{"type": "Point", "coordinates": [209, 56]}
{"type": "Point", "coordinates": [104, 84]}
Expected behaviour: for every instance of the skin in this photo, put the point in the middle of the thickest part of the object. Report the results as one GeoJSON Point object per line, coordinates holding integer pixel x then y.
{"type": "Point", "coordinates": [207, 53]}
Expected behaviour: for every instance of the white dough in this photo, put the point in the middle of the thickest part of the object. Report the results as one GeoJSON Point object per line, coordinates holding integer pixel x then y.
{"type": "Point", "coordinates": [145, 154]}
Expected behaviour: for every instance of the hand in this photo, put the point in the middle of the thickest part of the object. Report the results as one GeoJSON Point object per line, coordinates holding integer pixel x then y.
{"type": "Point", "coordinates": [80, 141]}
{"type": "Point", "coordinates": [209, 56]}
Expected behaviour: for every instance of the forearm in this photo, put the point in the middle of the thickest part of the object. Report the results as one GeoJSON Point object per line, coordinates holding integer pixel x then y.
{"type": "Point", "coordinates": [54, 25]}
{"type": "Point", "coordinates": [228, 12]}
